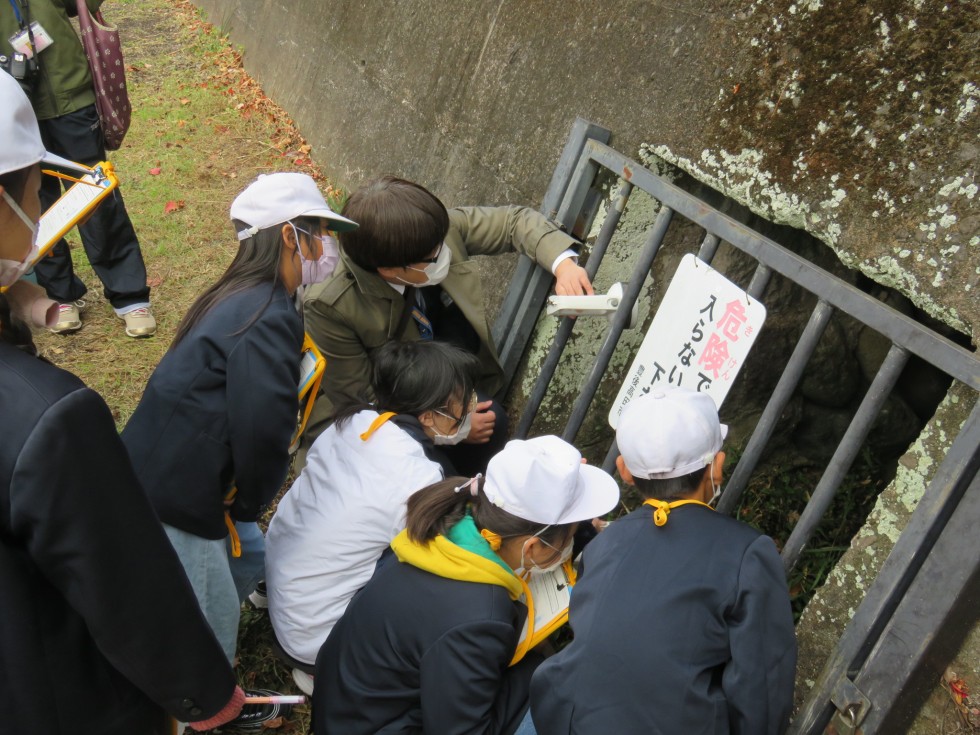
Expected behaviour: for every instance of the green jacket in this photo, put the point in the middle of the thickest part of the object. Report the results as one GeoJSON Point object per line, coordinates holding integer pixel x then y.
{"type": "Point", "coordinates": [65, 82]}
{"type": "Point", "coordinates": [356, 311]}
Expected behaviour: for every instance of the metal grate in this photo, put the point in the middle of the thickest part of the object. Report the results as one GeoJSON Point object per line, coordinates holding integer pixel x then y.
{"type": "Point", "coordinates": [873, 663]}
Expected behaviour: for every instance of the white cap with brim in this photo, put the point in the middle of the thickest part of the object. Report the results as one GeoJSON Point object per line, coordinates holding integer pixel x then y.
{"type": "Point", "coordinates": [543, 480]}
{"type": "Point", "coordinates": [669, 432]}
{"type": "Point", "coordinates": [22, 146]}
{"type": "Point", "coordinates": [274, 199]}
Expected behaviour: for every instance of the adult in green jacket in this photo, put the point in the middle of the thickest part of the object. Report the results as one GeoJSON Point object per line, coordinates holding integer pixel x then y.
{"type": "Point", "coordinates": [63, 97]}
{"type": "Point", "coordinates": [406, 274]}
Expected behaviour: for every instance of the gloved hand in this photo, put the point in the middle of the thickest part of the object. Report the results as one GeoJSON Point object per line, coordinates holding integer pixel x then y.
{"type": "Point", "coordinates": [228, 713]}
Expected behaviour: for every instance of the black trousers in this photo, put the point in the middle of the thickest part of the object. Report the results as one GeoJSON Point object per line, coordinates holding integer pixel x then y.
{"type": "Point", "coordinates": [108, 236]}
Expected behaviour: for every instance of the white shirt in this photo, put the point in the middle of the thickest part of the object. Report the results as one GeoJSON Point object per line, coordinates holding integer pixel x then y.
{"type": "Point", "coordinates": [334, 523]}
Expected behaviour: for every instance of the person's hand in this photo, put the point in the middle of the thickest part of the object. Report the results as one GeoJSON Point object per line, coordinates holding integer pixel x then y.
{"type": "Point", "coordinates": [482, 422]}
{"type": "Point", "coordinates": [228, 713]}
{"type": "Point", "coordinates": [572, 280]}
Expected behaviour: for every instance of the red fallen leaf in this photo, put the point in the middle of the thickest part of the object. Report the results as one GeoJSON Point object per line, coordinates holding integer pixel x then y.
{"type": "Point", "coordinates": [155, 171]}
{"type": "Point", "coordinates": [154, 281]}
{"type": "Point", "coordinates": [173, 206]}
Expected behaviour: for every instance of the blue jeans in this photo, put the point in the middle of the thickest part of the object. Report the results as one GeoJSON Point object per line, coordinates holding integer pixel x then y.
{"type": "Point", "coordinates": [526, 727]}
{"type": "Point", "coordinates": [248, 569]}
{"type": "Point", "coordinates": [206, 564]}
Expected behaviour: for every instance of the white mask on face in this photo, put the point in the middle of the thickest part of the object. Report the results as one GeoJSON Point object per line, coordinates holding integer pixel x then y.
{"type": "Point", "coordinates": [435, 273]}
{"type": "Point", "coordinates": [316, 271]}
{"type": "Point", "coordinates": [533, 568]}
{"type": "Point", "coordinates": [461, 433]}
{"type": "Point", "coordinates": [11, 270]}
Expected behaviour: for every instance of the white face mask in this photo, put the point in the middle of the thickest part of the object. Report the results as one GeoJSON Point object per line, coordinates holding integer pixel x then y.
{"type": "Point", "coordinates": [11, 270]}
{"type": "Point", "coordinates": [316, 271]}
{"type": "Point", "coordinates": [461, 433]}
{"type": "Point", "coordinates": [435, 273]}
{"type": "Point", "coordinates": [533, 568]}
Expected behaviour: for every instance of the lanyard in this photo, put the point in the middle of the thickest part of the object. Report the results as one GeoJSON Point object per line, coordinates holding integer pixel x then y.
{"type": "Point", "coordinates": [20, 18]}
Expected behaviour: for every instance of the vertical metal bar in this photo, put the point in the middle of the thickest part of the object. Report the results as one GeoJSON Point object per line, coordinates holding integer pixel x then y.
{"type": "Point", "coordinates": [760, 279]}
{"type": "Point", "coordinates": [545, 373]}
{"type": "Point", "coordinates": [616, 207]}
{"type": "Point", "coordinates": [565, 326]}
{"type": "Point", "coordinates": [788, 381]}
{"type": "Point", "coordinates": [914, 545]}
{"type": "Point", "coordinates": [846, 451]}
{"type": "Point", "coordinates": [620, 319]}
{"type": "Point", "coordinates": [709, 246]}
{"type": "Point", "coordinates": [529, 285]}
{"type": "Point", "coordinates": [582, 131]}
{"type": "Point", "coordinates": [609, 463]}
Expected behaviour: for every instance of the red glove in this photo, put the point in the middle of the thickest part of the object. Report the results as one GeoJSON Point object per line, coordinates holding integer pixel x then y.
{"type": "Point", "coordinates": [227, 714]}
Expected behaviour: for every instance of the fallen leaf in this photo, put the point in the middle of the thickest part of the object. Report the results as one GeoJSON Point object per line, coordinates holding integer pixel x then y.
{"type": "Point", "coordinates": [173, 206]}
{"type": "Point", "coordinates": [154, 281]}
{"type": "Point", "coordinates": [181, 123]}
{"type": "Point", "coordinates": [184, 101]}
{"type": "Point", "coordinates": [155, 171]}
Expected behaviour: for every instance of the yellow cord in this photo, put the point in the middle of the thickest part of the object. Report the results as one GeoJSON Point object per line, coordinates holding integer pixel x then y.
{"type": "Point", "coordinates": [662, 508]}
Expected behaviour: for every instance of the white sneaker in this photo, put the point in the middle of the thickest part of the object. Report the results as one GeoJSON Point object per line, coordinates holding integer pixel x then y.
{"type": "Point", "coordinates": [139, 322]}
{"type": "Point", "coordinates": [304, 681]}
{"type": "Point", "coordinates": [259, 598]}
{"type": "Point", "coordinates": [69, 318]}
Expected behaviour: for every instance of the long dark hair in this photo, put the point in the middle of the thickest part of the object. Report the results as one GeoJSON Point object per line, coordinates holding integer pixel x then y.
{"type": "Point", "coordinates": [399, 223]}
{"type": "Point", "coordinates": [256, 262]}
{"type": "Point", "coordinates": [13, 331]}
{"type": "Point", "coordinates": [435, 509]}
{"type": "Point", "coordinates": [411, 378]}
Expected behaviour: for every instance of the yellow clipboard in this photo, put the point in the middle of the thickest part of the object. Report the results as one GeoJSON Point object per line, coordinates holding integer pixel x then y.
{"type": "Point", "coordinates": [311, 366]}
{"type": "Point", "coordinates": [75, 205]}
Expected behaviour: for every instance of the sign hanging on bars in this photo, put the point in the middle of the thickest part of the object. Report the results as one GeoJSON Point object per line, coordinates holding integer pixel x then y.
{"type": "Point", "coordinates": [699, 338]}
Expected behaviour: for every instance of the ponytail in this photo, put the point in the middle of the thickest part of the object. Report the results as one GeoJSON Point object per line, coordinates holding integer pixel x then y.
{"type": "Point", "coordinates": [433, 510]}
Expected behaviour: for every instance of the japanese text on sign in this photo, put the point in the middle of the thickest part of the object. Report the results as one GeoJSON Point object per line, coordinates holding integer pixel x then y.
{"type": "Point", "coordinates": [699, 338]}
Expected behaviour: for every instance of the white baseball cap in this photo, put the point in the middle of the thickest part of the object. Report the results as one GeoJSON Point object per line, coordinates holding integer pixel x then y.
{"type": "Point", "coordinates": [669, 432]}
{"type": "Point", "coordinates": [543, 480]}
{"type": "Point", "coordinates": [273, 199]}
{"type": "Point", "coordinates": [22, 146]}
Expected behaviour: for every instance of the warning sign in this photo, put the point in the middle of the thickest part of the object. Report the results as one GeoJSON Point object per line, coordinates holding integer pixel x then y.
{"type": "Point", "coordinates": [699, 337]}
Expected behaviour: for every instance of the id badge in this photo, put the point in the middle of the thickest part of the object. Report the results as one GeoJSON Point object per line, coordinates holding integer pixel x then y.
{"type": "Point", "coordinates": [21, 41]}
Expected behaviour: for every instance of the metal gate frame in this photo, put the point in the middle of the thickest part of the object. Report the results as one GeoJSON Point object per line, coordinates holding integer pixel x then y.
{"type": "Point", "coordinates": [920, 600]}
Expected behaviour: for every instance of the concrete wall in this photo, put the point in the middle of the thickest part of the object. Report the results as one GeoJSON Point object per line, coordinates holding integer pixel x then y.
{"type": "Point", "coordinates": [857, 122]}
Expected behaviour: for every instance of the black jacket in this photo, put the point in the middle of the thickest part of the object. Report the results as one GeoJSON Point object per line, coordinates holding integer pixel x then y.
{"type": "Point", "coordinates": [99, 628]}
{"type": "Point", "coordinates": [419, 653]}
{"type": "Point", "coordinates": [682, 628]}
{"type": "Point", "coordinates": [219, 411]}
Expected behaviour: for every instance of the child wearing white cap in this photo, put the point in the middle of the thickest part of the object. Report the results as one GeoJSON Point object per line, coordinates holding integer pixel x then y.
{"type": "Point", "coordinates": [220, 408]}
{"type": "Point", "coordinates": [681, 618]}
{"type": "Point", "coordinates": [431, 643]}
{"type": "Point", "coordinates": [100, 632]}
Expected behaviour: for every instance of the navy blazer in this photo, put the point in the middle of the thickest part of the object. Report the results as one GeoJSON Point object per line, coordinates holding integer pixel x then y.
{"type": "Point", "coordinates": [219, 411]}
{"type": "Point", "coordinates": [100, 630]}
{"type": "Point", "coordinates": [681, 628]}
{"type": "Point", "coordinates": [417, 653]}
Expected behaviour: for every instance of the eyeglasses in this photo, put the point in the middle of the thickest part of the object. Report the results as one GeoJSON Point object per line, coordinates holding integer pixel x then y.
{"type": "Point", "coordinates": [470, 407]}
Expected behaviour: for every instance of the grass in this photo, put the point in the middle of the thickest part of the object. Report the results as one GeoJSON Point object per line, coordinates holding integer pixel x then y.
{"type": "Point", "coordinates": [201, 130]}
